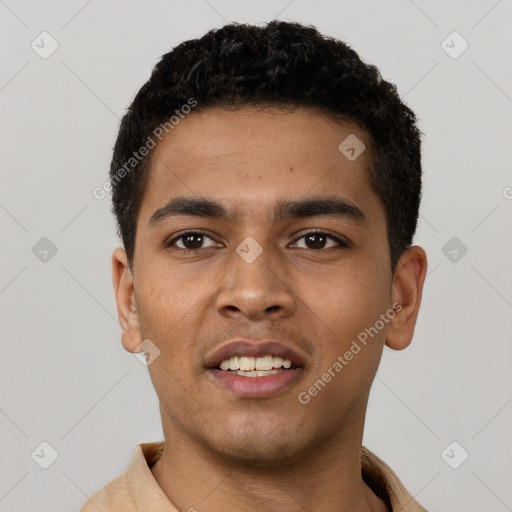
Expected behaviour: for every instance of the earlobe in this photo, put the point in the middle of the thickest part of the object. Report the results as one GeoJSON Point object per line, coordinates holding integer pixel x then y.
{"type": "Point", "coordinates": [407, 291]}
{"type": "Point", "coordinates": [122, 280]}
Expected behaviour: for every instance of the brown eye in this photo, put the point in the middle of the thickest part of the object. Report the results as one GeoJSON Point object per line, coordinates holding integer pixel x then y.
{"type": "Point", "coordinates": [317, 240]}
{"type": "Point", "coordinates": [191, 240]}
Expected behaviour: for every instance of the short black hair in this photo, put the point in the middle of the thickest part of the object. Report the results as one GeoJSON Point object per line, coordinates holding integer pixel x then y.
{"type": "Point", "coordinates": [282, 64]}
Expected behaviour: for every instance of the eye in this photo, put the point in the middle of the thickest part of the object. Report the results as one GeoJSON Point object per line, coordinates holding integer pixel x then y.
{"type": "Point", "coordinates": [191, 240]}
{"type": "Point", "coordinates": [318, 239]}
{"type": "Point", "coordinates": [194, 240]}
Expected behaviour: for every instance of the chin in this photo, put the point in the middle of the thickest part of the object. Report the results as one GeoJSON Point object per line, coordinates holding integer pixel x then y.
{"type": "Point", "coordinates": [266, 450]}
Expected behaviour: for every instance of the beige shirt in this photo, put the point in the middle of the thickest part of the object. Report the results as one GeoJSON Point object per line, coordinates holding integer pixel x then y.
{"type": "Point", "coordinates": [136, 490]}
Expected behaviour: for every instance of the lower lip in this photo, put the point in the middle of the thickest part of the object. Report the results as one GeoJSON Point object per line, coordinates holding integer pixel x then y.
{"type": "Point", "coordinates": [256, 387]}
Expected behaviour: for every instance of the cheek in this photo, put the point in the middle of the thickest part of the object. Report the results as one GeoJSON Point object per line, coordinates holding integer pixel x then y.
{"type": "Point", "coordinates": [166, 305]}
{"type": "Point", "coordinates": [344, 312]}
{"type": "Point", "coordinates": [345, 301]}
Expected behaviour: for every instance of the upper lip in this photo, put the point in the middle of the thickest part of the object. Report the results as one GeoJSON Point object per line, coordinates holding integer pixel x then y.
{"type": "Point", "coordinates": [247, 348]}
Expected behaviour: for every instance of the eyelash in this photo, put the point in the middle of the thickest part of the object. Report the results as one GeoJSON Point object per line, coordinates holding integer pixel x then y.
{"type": "Point", "coordinates": [200, 232]}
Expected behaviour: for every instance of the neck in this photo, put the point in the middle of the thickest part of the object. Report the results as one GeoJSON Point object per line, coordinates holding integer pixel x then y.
{"type": "Point", "coordinates": [326, 478]}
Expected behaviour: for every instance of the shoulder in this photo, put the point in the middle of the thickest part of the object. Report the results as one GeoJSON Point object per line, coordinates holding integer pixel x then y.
{"type": "Point", "coordinates": [115, 496]}
{"type": "Point", "coordinates": [386, 484]}
{"type": "Point", "coordinates": [135, 489]}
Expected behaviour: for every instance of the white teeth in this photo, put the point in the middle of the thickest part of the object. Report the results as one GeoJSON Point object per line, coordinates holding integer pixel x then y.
{"type": "Point", "coordinates": [247, 363]}
{"type": "Point", "coordinates": [257, 373]}
{"type": "Point", "coordinates": [264, 363]}
{"type": "Point", "coordinates": [230, 364]}
{"type": "Point", "coordinates": [278, 362]}
{"type": "Point", "coordinates": [224, 365]}
{"type": "Point", "coordinates": [260, 364]}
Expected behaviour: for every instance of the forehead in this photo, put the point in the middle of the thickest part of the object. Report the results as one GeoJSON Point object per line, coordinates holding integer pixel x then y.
{"type": "Point", "coordinates": [249, 159]}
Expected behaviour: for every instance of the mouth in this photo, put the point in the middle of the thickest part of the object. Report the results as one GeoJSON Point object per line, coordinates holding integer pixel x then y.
{"type": "Point", "coordinates": [255, 370]}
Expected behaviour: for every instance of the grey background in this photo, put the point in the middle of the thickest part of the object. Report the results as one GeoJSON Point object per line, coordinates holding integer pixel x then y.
{"type": "Point", "coordinates": [65, 378]}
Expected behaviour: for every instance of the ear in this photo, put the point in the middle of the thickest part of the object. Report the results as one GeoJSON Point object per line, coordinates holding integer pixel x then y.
{"type": "Point", "coordinates": [407, 289]}
{"type": "Point", "coordinates": [122, 280]}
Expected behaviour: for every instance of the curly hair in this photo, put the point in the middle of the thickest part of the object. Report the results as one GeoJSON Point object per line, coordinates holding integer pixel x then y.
{"type": "Point", "coordinates": [281, 64]}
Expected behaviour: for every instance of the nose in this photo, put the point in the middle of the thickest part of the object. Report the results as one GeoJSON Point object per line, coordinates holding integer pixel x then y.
{"type": "Point", "coordinates": [256, 290]}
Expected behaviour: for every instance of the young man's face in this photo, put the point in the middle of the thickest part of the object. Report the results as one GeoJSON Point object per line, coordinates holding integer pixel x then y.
{"type": "Point", "coordinates": [257, 277]}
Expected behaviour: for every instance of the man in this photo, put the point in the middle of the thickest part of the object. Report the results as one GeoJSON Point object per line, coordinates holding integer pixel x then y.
{"type": "Point", "coordinates": [266, 184]}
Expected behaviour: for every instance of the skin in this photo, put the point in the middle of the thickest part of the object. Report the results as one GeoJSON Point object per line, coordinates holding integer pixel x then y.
{"type": "Point", "coordinates": [225, 453]}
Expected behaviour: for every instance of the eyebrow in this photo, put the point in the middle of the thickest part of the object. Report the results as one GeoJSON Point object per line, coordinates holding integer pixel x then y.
{"type": "Point", "coordinates": [329, 206]}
